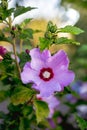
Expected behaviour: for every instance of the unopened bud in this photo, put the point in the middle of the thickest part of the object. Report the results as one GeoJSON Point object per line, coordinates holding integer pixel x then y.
{"type": "Point", "coordinates": [3, 51]}
{"type": "Point", "coordinates": [27, 51]}
{"type": "Point", "coordinates": [13, 28]}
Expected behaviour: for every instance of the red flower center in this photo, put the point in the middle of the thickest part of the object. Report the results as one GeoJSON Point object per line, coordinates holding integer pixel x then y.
{"type": "Point", "coordinates": [46, 74]}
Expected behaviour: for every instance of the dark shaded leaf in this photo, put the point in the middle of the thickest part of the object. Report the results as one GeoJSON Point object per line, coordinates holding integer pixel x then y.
{"type": "Point", "coordinates": [3, 95]}
{"type": "Point", "coordinates": [21, 10]}
{"type": "Point", "coordinates": [81, 122]}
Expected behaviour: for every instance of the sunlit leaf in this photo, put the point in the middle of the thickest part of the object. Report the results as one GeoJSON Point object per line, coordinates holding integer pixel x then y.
{"type": "Point", "coordinates": [25, 22]}
{"type": "Point", "coordinates": [21, 95]}
{"type": "Point", "coordinates": [71, 29]}
{"type": "Point", "coordinates": [42, 110]}
{"type": "Point", "coordinates": [65, 40]}
{"type": "Point", "coordinates": [44, 43]}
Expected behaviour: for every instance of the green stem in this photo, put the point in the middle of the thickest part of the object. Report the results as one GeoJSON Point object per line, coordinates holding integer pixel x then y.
{"type": "Point", "coordinates": [14, 47]}
{"type": "Point", "coordinates": [21, 42]}
{"type": "Point", "coordinates": [9, 23]}
{"type": "Point", "coordinates": [15, 54]}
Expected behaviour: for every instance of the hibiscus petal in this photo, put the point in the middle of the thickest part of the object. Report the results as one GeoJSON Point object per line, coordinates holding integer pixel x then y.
{"type": "Point", "coordinates": [45, 55]}
{"type": "Point", "coordinates": [60, 59]}
{"type": "Point", "coordinates": [27, 65]}
{"type": "Point", "coordinates": [52, 101]}
{"type": "Point", "coordinates": [29, 75]}
{"type": "Point", "coordinates": [48, 88]}
{"type": "Point", "coordinates": [64, 77]}
{"type": "Point", "coordinates": [37, 54]}
{"type": "Point", "coordinates": [38, 59]}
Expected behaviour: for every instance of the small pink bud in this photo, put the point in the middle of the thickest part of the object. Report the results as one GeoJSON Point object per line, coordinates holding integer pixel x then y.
{"type": "Point", "coordinates": [27, 51]}
{"type": "Point", "coordinates": [13, 28]}
{"type": "Point", "coordinates": [3, 51]}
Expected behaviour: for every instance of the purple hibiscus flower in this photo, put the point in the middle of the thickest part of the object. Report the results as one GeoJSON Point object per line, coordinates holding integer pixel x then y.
{"type": "Point", "coordinates": [48, 73]}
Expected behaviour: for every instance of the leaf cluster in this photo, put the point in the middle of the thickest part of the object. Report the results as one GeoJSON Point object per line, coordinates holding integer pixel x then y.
{"type": "Point", "coordinates": [51, 35]}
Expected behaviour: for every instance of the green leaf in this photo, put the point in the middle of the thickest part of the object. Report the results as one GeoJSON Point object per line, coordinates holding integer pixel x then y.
{"type": "Point", "coordinates": [21, 10]}
{"type": "Point", "coordinates": [27, 110]}
{"type": "Point", "coordinates": [3, 95]}
{"type": "Point", "coordinates": [26, 34]}
{"type": "Point", "coordinates": [81, 122]}
{"type": "Point", "coordinates": [24, 58]}
{"type": "Point", "coordinates": [25, 22]}
{"type": "Point", "coordinates": [69, 90]}
{"type": "Point", "coordinates": [21, 95]}
{"type": "Point", "coordinates": [42, 110]}
{"type": "Point", "coordinates": [2, 115]}
{"type": "Point", "coordinates": [44, 43]}
{"type": "Point", "coordinates": [24, 124]}
{"type": "Point", "coordinates": [52, 28]}
{"type": "Point", "coordinates": [21, 125]}
{"type": "Point", "coordinates": [65, 40]}
{"type": "Point", "coordinates": [5, 13]}
{"type": "Point", "coordinates": [3, 38]}
{"type": "Point", "coordinates": [71, 29]}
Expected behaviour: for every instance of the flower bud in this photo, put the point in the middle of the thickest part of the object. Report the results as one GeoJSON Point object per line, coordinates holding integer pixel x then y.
{"type": "Point", "coordinates": [27, 51]}
{"type": "Point", "coordinates": [3, 51]}
{"type": "Point", "coordinates": [13, 28]}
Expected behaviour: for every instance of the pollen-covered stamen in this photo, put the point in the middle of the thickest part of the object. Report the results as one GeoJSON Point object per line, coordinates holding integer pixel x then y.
{"type": "Point", "coordinates": [46, 74]}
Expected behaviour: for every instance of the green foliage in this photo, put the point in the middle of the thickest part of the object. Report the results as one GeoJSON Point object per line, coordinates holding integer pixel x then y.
{"type": "Point", "coordinates": [44, 43]}
{"type": "Point", "coordinates": [21, 126]}
{"type": "Point", "coordinates": [78, 3]}
{"type": "Point", "coordinates": [81, 123]}
{"type": "Point", "coordinates": [25, 22]}
{"type": "Point", "coordinates": [41, 109]}
{"type": "Point", "coordinates": [2, 115]}
{"type": "Point", "coordinates": [65, 40]}
{"type": "Point", "coordinates": [5, 13]}
{"type": "Point", "coordinates": [26, 33]}
{"type": "Point", "coordinates": [4, 95]}
{"type": "Point", "coordinates": [71, 29]}
{"type": "Point", "coordinates": [51, 35]}
{"type": "Point", "coordinates": [3, 38]}
{"type": "Point", "coordinates": [51, 28]}
{"type": "Point", "coordinates": [27, 110]}
{"type": "Point", "coordinates": [21, 95]}
{"type": "Point", "coordinates": [21, 10]}
{"type": "Point", "coordinates": [24, 58]}
{"type": "Point", "coordinates": [70, 91]}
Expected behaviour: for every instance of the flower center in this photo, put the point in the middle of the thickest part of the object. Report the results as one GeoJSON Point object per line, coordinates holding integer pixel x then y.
{"type": "Point", "coordinates": [46, 74]}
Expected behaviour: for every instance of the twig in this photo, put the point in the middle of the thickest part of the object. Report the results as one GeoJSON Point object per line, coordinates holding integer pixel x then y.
{"type": "Point", "coordinates": [15, 54]}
